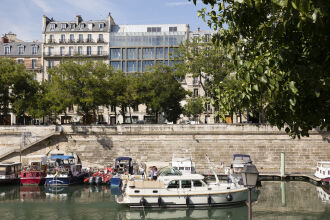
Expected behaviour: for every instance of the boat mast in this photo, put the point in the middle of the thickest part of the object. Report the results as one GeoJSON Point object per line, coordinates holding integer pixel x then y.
{"type": "Point", "coordinates": [212, 169]}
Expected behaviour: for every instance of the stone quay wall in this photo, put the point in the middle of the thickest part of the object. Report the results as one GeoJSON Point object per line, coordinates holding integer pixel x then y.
{"type": "Point", "coordinates": [98, 146]}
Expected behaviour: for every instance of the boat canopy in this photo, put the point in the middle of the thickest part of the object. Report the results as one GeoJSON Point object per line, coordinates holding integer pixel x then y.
{"type": "Point", "coordinates": [61, 157]}
{"type": "Point", "coordinates": [123, 158]}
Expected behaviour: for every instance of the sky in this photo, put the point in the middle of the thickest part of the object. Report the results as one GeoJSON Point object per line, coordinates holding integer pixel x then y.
{"type": "Point", "coordinates": [24, 17]}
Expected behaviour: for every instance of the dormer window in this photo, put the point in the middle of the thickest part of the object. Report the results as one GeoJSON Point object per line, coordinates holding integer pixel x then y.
{"type": "Point", "coordinates": [20, 50]}
{"type": "Point", "coordinates": [7, 50]}
{"type": "Point", "coordinates": [34, 50]}
{"type": "Point", "coordinates": [52, 26]}
{"type": "Point", "coordinates": [101, 25]}
{"type": "Point", "coordinates": [90, 26]}
{"type": "Point", "coordinates": [63, 26]}
{"type": "Point", "coordinates": [82, 25]}
{"type": "Point", "coordinates": [72, 26]}
{"type": "Point", "coordinates": [173, 29]}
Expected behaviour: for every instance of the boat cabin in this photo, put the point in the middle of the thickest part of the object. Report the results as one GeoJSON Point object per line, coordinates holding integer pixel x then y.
{"type": "Point", "coordinates": [9, 171]}
{"type": "Point", "coordinates": [123, 165]}
{"type": "Point", "coordinates": [184, 165]}
{"type": "Point", "coordinates": [66, 162]}
{"type": "Point", "coordinates": [323, 169]}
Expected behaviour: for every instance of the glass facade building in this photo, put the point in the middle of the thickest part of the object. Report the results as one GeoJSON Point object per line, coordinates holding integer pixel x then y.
{"type": "Point", "coordinates": [133, 51]}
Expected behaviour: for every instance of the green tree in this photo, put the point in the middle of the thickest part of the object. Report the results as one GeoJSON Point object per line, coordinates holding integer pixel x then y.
{"type": "Point", "coordinates": [280, 49]}
{"type": "Point", "coordinates": [194, 107]}
{"type": "Point", "coordinates": [17, 88]}
{"type": "Point", "coordinates": [162, 93]}
{"type": "Point", "coordinates": [79, 84]}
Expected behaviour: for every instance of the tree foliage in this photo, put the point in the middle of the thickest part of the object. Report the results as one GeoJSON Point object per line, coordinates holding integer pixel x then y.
{"type": "Point", "coordinates": [194, 107]}
{"type": "Point", "coordinates": [17, 88]}
{"type": "Point", "coordinates": [280, 49]}
{"type": "Point", "coordinates": [161, 92]}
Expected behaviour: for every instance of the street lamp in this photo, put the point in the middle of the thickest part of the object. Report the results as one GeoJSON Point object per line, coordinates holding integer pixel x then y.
{"type": "Point", "coordinates": [250, 177]}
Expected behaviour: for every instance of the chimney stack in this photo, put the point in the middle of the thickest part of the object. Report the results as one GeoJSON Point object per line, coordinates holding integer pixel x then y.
{"type": "Point", "coordinates": [4, 39]}
{"type": "Point", "coordinates": [78, 19]}
{"type": "Point", "coordinates": [199, 29]}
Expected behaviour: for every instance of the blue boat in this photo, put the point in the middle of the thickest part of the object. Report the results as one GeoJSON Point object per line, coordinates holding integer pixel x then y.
{"type": "Point", "coordinates": [123, 165]}
{"type": "Point", "coordinates": [64, 170]}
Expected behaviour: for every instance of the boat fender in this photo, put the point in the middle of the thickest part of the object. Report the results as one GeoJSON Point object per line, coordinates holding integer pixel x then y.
{"type": "Point", "coordinates": [159, 201]}
{"type": "Point", "coordinates": [142, 201]}
{"type": "Point", "coordinates": [209, 200]}
{"type": "Point", "coordinates": [187, 200]}
{"type": "Point", "coordinates": [229, 197]}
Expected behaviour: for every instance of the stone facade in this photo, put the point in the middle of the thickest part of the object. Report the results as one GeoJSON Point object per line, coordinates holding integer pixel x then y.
{"type": "Point", "coordinates": [100, 145]}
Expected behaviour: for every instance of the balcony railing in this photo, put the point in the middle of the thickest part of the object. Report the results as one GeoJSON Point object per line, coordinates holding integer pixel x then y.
{"type": "Point", "coordinates": [78, 54]}
{"type": "Point", "coordinates": [78, 41]}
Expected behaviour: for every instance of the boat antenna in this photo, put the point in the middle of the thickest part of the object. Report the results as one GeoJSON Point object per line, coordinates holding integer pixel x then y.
{"type": "Point", "coordinates": [212, 169]}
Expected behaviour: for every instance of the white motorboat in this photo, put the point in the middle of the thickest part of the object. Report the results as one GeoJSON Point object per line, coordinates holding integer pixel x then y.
{"type": "Point", "coordinates": [323, 171]}
{"type": "Point", "coordinates": [174, 189]}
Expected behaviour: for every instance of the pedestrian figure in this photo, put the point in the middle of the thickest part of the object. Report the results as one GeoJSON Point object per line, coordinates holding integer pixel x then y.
{"type": "Point", "coordinates": [155, 173]}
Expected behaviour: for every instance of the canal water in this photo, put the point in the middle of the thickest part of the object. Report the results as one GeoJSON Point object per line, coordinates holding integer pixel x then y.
{"type": "Point", "coordinates": [277, 200]}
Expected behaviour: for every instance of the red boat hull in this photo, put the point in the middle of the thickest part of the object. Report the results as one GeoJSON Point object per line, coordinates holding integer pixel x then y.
{"type": "Point", "coordinates": [33, 178]}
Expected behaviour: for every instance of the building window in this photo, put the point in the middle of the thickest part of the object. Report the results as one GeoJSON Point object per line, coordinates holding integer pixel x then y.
{"type": "Point", "coordinates": [34, 64]}
{"type": "Point", "coordinates": [51, 38]}
{"type": "Point", "coordinates": [99, 50]}
{"type": "Point", "coordinates": [148, 53]}
{"type": "Point", "coordinates": [62, 38]}
{"type": "Point", "coordinates": [124, 53]}
{"type": "Point", "coordinates": [52, 27]}
{"type": "Point", "coordinates": [147, 64]}
{"type": "Point", "coordinates": [89, 50]}
{"type": "Point", "coordinates": [79, 50]}
{"type": "Point", "coordinates": [82, 25]}
{"type": "Point", "coordinates": [113, 108]}
{"type": "Point", "coordinates": [115, 54]}
{"type": "Point", "coordinates": [131, 53]}
{"type": "Point", "coordinates": [89, 38]}
{"type": "Point", "coordinates": [135, 108]}
{"type": "Point", "coordinates": [20, 50]}
{"type": "Point", "coordinates": [173, 29]}
{"type": "Point", "coordinates": [139, 66]}
{"type": "Point", "coordinates": [159, 53]}
{"type": "Point", "coordinates": [7, 50]}
{"type": "Point", "coordinates": [71, 108]}
{"type": "Point", "coordinates": [20, 61]}
{"type": "Point", "coordinates": [101, 25]}
{"type": "Point", "coordinates": [62, 51]}
{"type": "Point", "coordinates": [71, 51]}
{"type": "Point", "coordinates": [195, 81]}
{"type": "Point", "coordinates": [166, 52]}
{"type": "Point", "coordinates": [208, 108]}
{"type": "Point", "coordinates": [72, 26]}
{"type": "Point", "coordinates": [207, 37]}
{"type": "Point", "coordinates": [195, 92]}
{"type": "Point", "coordinates": [124, 66]}
{"type": "Point", "coordinates": [50, 51]}
{"type": "Point", "coordinates": [81, 38]}
{"type": "Point", "coordinates": [154, 29]}
{"type": "Point", "coordinates": [50, 64]}
{"type": "Point", "coordinates": [131, 66]}
{"type": "Point", "coordinates": [100, 38]}
{"type": "Point", "coordinates": [63, 26]}
{"type": "Point", "coordinates": [115, 65]}
{"type": "Point", "coordinates": [71, 38]}
{"type": "Point", "coordinates": [34, 50]}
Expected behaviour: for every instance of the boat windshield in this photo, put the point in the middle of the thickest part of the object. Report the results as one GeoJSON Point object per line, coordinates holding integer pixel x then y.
{"type": "Point", "coordinates": [169, 171]}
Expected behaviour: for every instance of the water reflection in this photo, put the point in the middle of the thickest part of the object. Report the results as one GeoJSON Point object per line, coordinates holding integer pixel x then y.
{"type": "Point", "coordinates": [277, 200]}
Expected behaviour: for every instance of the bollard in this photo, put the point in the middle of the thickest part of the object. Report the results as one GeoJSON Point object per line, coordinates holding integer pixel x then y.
{"type": "Point", "coordinates": [282, 164]}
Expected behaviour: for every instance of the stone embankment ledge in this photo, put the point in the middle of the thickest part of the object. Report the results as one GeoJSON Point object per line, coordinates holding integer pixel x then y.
{"type": "Point", "coordinates": [100, 145]}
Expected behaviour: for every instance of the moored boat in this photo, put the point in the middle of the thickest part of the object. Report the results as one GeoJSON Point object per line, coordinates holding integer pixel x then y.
{"type": "Point", "coordinates": [323, 171]}
{"type": "Point", "coordinates": [34, 174]}
{"type": "Point", "coordinates": [172, 189]}
{"type": "Point", "coordinates": [9, 173]}
{"type": "Point", "coordinates": [123, 166]}
{"type": "Point", "coordinates": [64, 170]}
